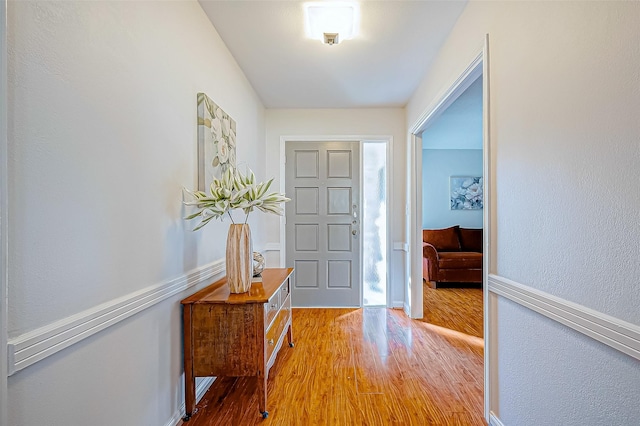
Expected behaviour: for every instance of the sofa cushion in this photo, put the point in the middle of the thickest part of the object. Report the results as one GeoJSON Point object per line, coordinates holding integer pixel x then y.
{"type": "Point", "coordinates": [442, 239]}
{"type": "Point", "coordinates": [459, 260]}
{"type": "Point", "coordinates": [470, 239]}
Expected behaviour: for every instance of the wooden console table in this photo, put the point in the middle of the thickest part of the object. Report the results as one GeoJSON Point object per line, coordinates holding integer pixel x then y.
{"type": "Point", "coordinates": [236, 334]}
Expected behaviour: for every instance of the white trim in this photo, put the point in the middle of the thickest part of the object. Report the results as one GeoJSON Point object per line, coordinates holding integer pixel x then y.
{"type": "Point", "coordinates": [446, 98]}
{"type": "Point", "coordinates": [494, 420]}
{"type": "Point", "coordinates": [202, 388]}
{"type": "Point", "coordinates": [283, 219]}
{"type": "Point", "coordinates": [389, 181]}
{"type": "Point", "coordinates": [38, 344]}
{"type": "Point", "coordinates": [611, 331]}
{"type": "Point", "coordinates": [175, 419]}
{"type": "Point", "coordinates": [415, 236]}
{"type": "Point", "coordinates": [4, 240]}
{"type": "Point", "coordinates": [478, 66]}
{"type": "Point", "coordinates": [490, 354]}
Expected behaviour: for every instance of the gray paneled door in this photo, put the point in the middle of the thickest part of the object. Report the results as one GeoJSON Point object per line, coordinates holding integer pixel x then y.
{"type": "Point", "coordinates": [323, 222]}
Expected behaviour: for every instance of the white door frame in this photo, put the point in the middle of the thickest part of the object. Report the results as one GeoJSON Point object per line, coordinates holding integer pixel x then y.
{"type": "Point", "coordinates": [388, 140]}
{"type": "Point", "coordinates": [478, 66]}
{"type": "Point", "coordinates": [3, 213]}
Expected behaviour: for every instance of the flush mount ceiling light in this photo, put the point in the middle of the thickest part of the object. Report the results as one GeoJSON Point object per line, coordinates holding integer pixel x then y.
{"type": "Point", "coordinates": [331, 22]}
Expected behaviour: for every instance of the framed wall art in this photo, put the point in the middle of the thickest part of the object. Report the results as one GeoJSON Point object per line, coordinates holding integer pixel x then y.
{"type": "Point", "coordinates": [216, 141]}
{"type": "Point", "coordinates": [466, 192]}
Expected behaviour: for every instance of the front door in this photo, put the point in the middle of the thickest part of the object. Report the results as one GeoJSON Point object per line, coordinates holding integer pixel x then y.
{"type": "Point", "coordinates": [323, 222]}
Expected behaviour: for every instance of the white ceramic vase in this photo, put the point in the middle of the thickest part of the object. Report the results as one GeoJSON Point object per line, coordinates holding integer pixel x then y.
{"type": "Point", "coordinates": [239, 258]}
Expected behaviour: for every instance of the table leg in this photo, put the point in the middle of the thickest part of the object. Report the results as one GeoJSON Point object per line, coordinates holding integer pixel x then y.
{"type": "Point", "coordinates": [262, 388]}
{"type": "Point", "coordinates": [189, 379]}
{"type": "Point", "coordinates": [290, 335]}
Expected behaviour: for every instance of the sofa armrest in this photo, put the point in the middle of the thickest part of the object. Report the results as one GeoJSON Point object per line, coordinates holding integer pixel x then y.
{"type": "Point", "coordinates": [429, 262]}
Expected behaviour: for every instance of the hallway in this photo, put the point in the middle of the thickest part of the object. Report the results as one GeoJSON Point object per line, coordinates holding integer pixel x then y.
{"type": "Point", "coordinates": [371, 366]}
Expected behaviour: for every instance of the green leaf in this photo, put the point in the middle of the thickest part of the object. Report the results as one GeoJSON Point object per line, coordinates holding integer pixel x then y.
{"type": "Point", "coordinates": [192, 216]}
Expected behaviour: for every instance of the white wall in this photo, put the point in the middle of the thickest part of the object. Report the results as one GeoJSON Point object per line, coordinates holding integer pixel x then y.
{"type": "Point", "coordinates": [438, 165]}
{"type": "Point", "coordinates": [347, 122]}
{"type": "Point", "coordinates": [565, 96]}
{"type": "Point", "coordinates": [102, 137]}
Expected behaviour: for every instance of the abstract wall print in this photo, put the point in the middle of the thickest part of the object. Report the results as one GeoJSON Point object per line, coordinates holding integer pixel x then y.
{"type": "Point", "coordinates": [466, 193]}
{"type": "Point", "coordinates": [216, 141]}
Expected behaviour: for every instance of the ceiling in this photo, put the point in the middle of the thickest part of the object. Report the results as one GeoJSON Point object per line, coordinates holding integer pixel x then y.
{"type": "Point", "coordinates": [382, 67]}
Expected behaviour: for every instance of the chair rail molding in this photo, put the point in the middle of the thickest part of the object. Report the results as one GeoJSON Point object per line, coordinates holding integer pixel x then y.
{"type": "Point", "coordinates": [35, 345]}
{"type": "Point", "coordinates": [614, 332]}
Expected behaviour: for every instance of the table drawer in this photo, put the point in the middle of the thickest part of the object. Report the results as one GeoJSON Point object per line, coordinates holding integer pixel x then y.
{"type": "Point", "coordinates": [278, 328]}
{"type": "Point", "coordinates": [284, 291]}
{"type": "Point", "coordinates": [271, 308]}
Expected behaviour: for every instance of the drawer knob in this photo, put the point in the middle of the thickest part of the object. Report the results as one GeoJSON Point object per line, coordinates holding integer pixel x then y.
{"type": "Point", "coordinates": [271, 341]}
{"type": "Point", "coordinates": [274, 306]}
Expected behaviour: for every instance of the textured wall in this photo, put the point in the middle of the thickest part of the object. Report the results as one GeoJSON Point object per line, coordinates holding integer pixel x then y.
{"type": "Point", "coordinates": [585, 383]}
{"type": "Point", "coordinates": [565, 96]}
{"type": "Point", "coordinates": [438, 165]}
{"type": "Point", "coordinates": [102, 130]}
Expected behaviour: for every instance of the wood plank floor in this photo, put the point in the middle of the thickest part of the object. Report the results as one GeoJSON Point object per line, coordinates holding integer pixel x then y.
{"type": "Point", "coordinates": [371, 366]}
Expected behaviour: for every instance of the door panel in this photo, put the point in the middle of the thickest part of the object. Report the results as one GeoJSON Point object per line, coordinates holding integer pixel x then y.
{"type": "Point", "coordinates": [323, 222]}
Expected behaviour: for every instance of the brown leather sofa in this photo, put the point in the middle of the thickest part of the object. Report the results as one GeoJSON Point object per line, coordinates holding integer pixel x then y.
{"type": "Point", "coordinates": [452, 255]}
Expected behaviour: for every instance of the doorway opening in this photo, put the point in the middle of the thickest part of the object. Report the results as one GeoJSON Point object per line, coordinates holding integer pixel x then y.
{"type": "Point", "coordinates": [479, 66]}
{"type": "Point", "coordinates": [374, 223]}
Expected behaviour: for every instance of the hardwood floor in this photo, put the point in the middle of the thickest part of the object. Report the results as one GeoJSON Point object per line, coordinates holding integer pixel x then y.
{"type": "Point", "coordinates": [458, 309]}
{"type": "Point", "coordinates": [371, 366]}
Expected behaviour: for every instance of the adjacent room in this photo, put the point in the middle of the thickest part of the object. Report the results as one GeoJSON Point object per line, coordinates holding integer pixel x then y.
{"type": "Point", "coordinates": [452, 213]}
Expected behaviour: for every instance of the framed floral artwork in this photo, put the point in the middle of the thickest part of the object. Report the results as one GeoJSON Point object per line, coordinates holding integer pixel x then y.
{"type": "Point", "coordinates": [216, 141]}
{"type": "Point", "coordinates": [466, 192]}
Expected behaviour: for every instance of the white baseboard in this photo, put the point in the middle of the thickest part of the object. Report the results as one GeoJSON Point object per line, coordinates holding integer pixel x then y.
{"type": "Point", "coordinates": [494, 420]}
{"type": "Point", "coordinates": [611, 331]}
{"type": "Point", "coordinates": [201, 389]}
{"type": "Point", "coordinates": [31, 347]}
